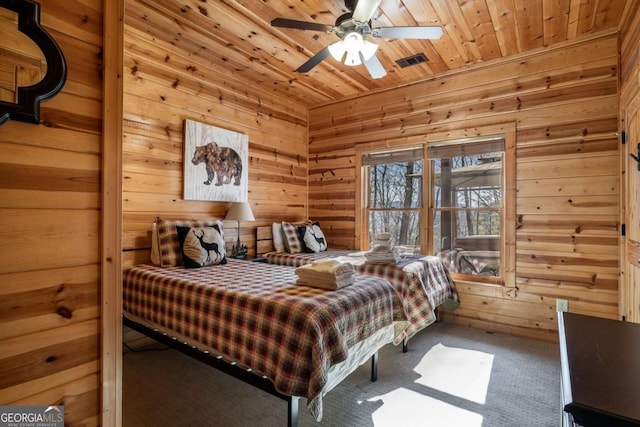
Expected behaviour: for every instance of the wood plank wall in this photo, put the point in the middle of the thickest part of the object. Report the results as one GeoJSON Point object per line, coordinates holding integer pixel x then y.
{"type": "Point", "coordinates": [166, 82]}
{"type": "Point", "coordinates": [50, 181]}
{"type": "Point", "coordinates": [630, 115]}
{"type": "Point", "coordinates": [50, 207]}
{"type": "Point", "coordinates": [564, 103]}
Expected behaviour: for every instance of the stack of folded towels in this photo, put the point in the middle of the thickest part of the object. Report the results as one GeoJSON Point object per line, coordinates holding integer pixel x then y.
{"type": "Point", "coordinates": [382, 251]}
{"type": "Point", "coordinates": [382, 239]}
{"type": "Point", "coordinates": [382, 255]}
{"type": "Point", "coordinates": [326, 274]}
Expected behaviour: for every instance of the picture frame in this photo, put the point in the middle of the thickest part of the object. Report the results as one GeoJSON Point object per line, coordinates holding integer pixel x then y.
{"type": "Point", "coordinates": [215, 163]}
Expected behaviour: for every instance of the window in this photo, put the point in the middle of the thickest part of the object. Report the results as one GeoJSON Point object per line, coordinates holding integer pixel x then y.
{"type": "Point", "coordinates": [394, 205]}
{"type": "Point", "coordinates": [447, 199]}
{"type": "Point", "coordinates": [467, 206]}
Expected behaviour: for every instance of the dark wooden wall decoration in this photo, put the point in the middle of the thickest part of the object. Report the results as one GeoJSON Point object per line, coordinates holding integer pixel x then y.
{"type": "Point", "coordinates": [27, 100]}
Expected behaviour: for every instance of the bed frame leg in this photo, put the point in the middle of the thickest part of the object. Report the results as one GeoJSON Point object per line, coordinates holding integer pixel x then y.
{"type": "Point", "coordinates": [292, 404]}
{"type": "Point", "coordinates": [374, 367]}
{"type": "Point", "coordinates": [405, 347]}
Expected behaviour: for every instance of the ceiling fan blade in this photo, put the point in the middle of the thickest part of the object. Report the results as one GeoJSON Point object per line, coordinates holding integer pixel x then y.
{"type": "Point", "coordinates": [374, 66]}
{"type": "Point", "coordinates": [365, 9]}
{"type": "Point", "coordinates": [300, 25]}
{"type": "Point", "coordinates": [431, 33]}
{"type": "Point", "coordinates": [313, 61]}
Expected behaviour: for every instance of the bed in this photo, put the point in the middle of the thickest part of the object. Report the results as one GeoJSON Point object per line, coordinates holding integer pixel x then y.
{"type": "Point", "coordinates": [293, 341]}
{"type": "Point", "coordinates": [423, 282]}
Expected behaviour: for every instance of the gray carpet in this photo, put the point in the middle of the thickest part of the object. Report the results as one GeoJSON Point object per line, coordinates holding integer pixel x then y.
{"type": "Point", "coordinates": [166, 388]}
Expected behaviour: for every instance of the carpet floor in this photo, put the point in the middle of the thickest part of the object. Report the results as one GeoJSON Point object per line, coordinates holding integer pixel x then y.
{"type": "Point", "coordinates": [452, 376]}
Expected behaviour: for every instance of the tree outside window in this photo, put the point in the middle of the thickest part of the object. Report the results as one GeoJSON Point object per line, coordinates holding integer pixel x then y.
{"type": "Point", "coordinates": [395, 201]}
{"type": "Point", "coordinates": [464, 216]}
{"type": "Point", "coordinates": [394, 196]}
{"type": "Point", "coordinates": [467, 212]}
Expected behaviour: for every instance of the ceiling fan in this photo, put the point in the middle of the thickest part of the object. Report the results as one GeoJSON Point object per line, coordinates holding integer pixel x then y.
{"type": "Point", "coordinates": [352, 28]}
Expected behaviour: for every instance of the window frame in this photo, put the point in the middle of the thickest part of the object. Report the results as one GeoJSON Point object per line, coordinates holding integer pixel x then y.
{"type": "Point", "coordinates": [508, 226]}
{"type": "Point", "coordinates": [404, 155]}
{"type": "Point", "coordinates": [432, 210]}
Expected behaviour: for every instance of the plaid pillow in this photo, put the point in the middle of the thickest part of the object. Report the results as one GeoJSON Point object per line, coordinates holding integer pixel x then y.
{"type": "Point", "coordinates": [291, 240]}
{"type": "Point", "coordinates": [169, 243]}
{"type": "Point", "coordinates": [291, 236]}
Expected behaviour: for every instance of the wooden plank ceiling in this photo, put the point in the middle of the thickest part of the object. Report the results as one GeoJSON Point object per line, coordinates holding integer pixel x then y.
{"type": "Point", "coordinates": [236, 38]}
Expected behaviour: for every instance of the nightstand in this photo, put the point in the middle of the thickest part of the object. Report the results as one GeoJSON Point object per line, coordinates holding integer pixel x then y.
{"type": "Point", "coordinates": [600, 371]}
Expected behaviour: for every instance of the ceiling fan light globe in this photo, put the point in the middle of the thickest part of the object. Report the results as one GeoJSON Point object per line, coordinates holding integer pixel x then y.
{"type": "Point", "coordinates": [368, 50]}
{"type": "Point", "coordinates": [353, 42]}
{"type": "Point", "coordinates": [337, 50]}
{"type": "Point", "coordinates": [353, 58]}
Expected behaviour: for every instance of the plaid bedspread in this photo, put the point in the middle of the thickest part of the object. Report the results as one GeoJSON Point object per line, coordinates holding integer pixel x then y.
{"type": "Point", "coordinates": [423, 282]}
{"type": "Point", "coordinates": [254, 315]}
{"type": "Point", "coordinates": [300, 259]}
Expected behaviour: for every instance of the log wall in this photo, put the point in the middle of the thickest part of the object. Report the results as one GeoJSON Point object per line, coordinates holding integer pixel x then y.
{"type": "Point", "coordinates": [564, 104]}
{"type": "Point", "coordinates": [630, 116]}
{"type": "Point", "coordinates": [50, 207]}
{"type": "Point", "coordinates": [166, 83]}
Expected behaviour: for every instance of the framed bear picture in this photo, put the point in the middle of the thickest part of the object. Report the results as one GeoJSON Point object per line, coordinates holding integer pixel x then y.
{"type": "Point", "coordinates": [215, 163]}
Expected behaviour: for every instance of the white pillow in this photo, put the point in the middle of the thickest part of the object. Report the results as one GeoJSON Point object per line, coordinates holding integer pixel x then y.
{"type": "Point", "coordinates": [278, 242]}
{"type": "Point", "coordinates": [155, 247]}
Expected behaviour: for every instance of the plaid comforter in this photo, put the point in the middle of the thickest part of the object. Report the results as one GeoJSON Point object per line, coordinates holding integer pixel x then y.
{"type": "Point", "coordinates": [253, 314]}
{"type": "Point", "coordinates": [303, 258]}
{"type": "Point", "coordinates": [423, 282]}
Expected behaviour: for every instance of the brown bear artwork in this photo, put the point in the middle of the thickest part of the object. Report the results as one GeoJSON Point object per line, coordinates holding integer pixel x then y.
{"type": "Point", "coordinates": [222, 163]}
{"type": "Point", "coordinates": [216, 163]}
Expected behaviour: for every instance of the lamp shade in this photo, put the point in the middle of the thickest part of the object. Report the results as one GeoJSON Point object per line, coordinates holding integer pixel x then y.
{"type": "Point", "coordinates": [240, 212]}
{"type": "Point", "coordinates": [356, 48]}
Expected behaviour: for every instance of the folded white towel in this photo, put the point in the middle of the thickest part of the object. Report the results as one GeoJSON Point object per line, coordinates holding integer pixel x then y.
{"type": "Point", "coordinates": [383, 239]}
{"type": "Point", "coordinates": [326, 274]}
{"type": "Point", "coordinates": [309, 275]}
{"type": "Point", "coordinates": [381, 249]}
{"type": "Point", "coordinates": [330, 266]}
{"type": "Point", "coordinates": [329, 284]}
{"type": "Point", "coordinates": [380, 254]}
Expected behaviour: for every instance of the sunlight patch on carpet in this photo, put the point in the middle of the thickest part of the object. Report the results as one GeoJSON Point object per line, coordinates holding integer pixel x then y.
{"type": "Point", "coordinates": [403, 407]}
{"type": "Point", "coordinates": [456, 371]}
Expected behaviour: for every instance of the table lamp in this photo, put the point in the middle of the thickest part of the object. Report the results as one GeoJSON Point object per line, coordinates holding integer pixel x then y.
{"type": "Point", "coordinates": [239, 212]}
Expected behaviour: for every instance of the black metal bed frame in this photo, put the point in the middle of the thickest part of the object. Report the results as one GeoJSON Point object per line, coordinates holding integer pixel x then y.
{"type": "Point", "coordinates": [231, 368]}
